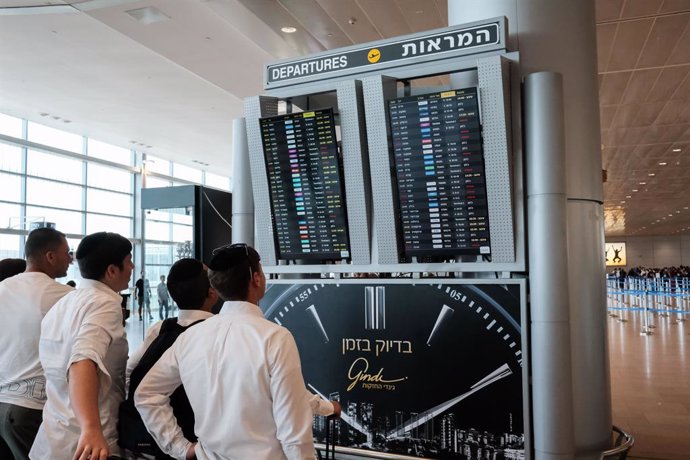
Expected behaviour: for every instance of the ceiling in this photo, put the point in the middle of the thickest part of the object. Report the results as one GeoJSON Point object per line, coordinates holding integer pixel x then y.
{"type": "Point", "coordinates": [170, 84]}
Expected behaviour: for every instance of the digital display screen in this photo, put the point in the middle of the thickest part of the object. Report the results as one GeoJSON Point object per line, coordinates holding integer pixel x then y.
{"type": "Point", "coordinates": [306, 187]}
{"type": "Point", "coordinates": [439, 165]}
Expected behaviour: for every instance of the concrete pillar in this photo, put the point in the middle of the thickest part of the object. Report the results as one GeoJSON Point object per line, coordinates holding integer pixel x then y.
{"type": "Point", "coordinates": [560, 36]}
{"type": "Point", "coordinates": [242, 195]}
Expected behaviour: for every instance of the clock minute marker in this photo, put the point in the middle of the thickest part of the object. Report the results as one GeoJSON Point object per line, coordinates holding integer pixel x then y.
{"type": "Point", "coordinates": [315, 316]}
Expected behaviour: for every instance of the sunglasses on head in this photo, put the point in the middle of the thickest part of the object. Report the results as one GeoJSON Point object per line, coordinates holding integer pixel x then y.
{"type": "Point", "coordinates": [226, 257]}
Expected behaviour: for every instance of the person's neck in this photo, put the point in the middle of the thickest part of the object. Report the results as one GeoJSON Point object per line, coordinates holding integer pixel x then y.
{"type": "Point", "coordinates": [37, 268]}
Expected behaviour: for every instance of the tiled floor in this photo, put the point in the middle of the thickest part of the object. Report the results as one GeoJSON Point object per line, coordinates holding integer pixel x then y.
{"type": "Point", "coordinates": [650, 385]}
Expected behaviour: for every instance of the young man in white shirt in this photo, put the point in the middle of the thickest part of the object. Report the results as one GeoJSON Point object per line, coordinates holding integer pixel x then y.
{"type": "Point", "coordinates": [242, 375]}
{"type": "Point", "coordinates": [83, 351]}
{"type": "Point", "coordinates": [24, 300]}
{"type": "Point", "coordinates": [189, 287]}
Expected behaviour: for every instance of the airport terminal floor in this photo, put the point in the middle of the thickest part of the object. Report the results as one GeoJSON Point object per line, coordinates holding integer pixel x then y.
{"type": "Point", "coordinates": [650, 380]}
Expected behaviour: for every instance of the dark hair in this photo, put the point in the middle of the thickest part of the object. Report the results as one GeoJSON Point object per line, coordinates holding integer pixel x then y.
{"type": "Point", "coordinates": [188, 284]}
{"type": "Point", "coordinates": [11, 267]}
{"type": "Point", "coordinates": [96, 252]}
{"type": "Point", "coordinates": [230, 270]}
{"type": "Point", "coordinates": [41, 241]}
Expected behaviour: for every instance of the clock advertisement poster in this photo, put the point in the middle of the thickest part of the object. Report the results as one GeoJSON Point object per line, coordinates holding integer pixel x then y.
{"type": "Point", "coordinates": [431, 370]}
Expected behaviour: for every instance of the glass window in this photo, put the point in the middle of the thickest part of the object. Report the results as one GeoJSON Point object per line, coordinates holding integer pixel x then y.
{"type": "Point", "coordinates": [108, 202]}
{"type": "Point", "coordinates": [54, 137]}
{"type": "Point", "coordinates": [155, 182]}
{"type": "Point", "coordinates": [186, 173]}
{"type": "Point", "coordinates": [54, 167]}
{"type": "Point", "coordinates": [182, 233]}
{"type": "Point", "coordinates": [157, 230]}
{"type": "Point", "coordinates": [158, 165]}
{"type": "Point", "coordinates": [217, 181]}
{"type": "Point", "coordinates": [184, 217]}
{"type": "Point", "coordinates": [11, 187]}
{"type": "Point", "coordinates": [48, 193]}
{"type": "Point", "coordinates": [99, 223]}
{"type": "Point", "coordinates": [10, 126]}
{"type": "Point", "coordinates": [10, 158]}
{"type": "Point", "coordinates": [109, 178]}
{"type": "Point", "coordinates": [158, 254]}
{"type": "Point", "coordinates": [73, 270]}
{"type": "Point", "coordinates": [10, 216]}
{"type": "Point", "coordinates": [10, 247]}
{"type": "Point", "coordinates": [98, 149]}
{"type": "Point", "coordinates": [65, 221]}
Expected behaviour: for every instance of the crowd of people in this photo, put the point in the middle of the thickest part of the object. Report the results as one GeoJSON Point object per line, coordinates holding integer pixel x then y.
{"type": "Point", "coordinates": [200, 386]}
{"type": "Point", "coordinates": [681, 271]}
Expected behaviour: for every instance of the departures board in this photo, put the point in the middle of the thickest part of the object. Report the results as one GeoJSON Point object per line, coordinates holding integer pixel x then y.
{"type": "Point", "coordinates": [441, 182]}
{"type": "Point", "coordinates": [306, 186]}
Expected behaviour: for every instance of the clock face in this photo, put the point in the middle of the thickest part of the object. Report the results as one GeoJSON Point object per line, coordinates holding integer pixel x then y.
{"type": "Point", "coordinates": [432, 370]}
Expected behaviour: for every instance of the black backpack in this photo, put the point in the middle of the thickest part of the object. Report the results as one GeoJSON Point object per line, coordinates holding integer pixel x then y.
{"type": "Point", "coordinates": [132, 432]}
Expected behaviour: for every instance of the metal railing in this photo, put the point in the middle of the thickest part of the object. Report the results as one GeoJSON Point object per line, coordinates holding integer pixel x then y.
{"type": "Point", "coordinates": [622, 445]}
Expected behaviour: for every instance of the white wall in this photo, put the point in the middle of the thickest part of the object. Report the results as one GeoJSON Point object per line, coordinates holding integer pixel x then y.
{"type": "Point", "coordinates": [655, 251]}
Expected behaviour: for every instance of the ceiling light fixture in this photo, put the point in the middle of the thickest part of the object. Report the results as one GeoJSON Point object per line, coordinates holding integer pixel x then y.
{"type": "Point", "coordinates": [663, 163]}
{"type": "Point", "coordinates": [643, 183]}
{"type": "Point", "coordinates": [651, 174]}
{"type": "Point", "coordinates": [628, 196]}
{"type": "Point", "coordinates": [635, 190]}
{"type": "Point", "coordinates": [676, 150]}
{"type": "Point", "coordinates": [148, 15]}
{"type": "Point", "coordinates": [288, 29]}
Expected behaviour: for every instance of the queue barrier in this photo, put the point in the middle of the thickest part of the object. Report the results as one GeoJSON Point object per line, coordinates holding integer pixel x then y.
{"type": "Point", "coordinates": [662, 296]}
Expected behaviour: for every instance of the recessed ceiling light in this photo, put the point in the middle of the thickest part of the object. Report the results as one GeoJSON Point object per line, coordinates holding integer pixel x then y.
{"type": "Point", "coordinates": [676, 150]}
{"type": "Point", "coordinates": [288, 29]}
{"type": "Point", "coordinates": [635, 190]}
{"type": "Point", "coordinates": [685, 207]}
{"type": "Point", "coordinates": [651, 174]}
{"type": "Point", "coordinates": [670, 215]}
{"type": "Point", "coordinates": [148, 15]}
{"type": "Point", "coordinates": [643, 183]}
{"type": "Point", "coordinates": [628, 196]}
{"type": "Point", "coordinates": [663, 163]}
{"type": "Point", "coordinates": [622, 201]}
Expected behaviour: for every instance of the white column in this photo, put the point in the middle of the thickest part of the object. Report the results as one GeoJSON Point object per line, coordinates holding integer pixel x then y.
{"type": "Point", "coordinates": [242, 195]}
{"type": "Point", "coordinates": [560, 36]}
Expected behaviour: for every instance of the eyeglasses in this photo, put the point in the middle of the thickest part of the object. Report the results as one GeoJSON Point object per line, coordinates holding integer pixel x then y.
{"type": "Point", "coordinates": [225, 257]}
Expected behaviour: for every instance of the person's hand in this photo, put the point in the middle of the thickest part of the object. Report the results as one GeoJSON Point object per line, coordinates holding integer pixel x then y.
{"type": "Point", "coordinates": [191, 454]}
{"type": "Point", "coordinates": [337, 409]}
{"type": "Point", "coordinates": [92, 445]}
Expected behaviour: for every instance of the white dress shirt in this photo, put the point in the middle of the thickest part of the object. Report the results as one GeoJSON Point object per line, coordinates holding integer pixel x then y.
{"type": "Point", "coordinates": [85, 324]}
{"type": "Point", "coordinates": [24, 301]}
{"type": "Point", "coordinates": [184, 319]}
{"type": "Point", "coordinates": [243, 378]}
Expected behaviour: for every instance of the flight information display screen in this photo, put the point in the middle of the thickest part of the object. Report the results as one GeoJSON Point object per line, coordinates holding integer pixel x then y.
{"type": "Point", "coordinates": [306, 187]}
{"type": "Point", "coordinates": [439, 165]}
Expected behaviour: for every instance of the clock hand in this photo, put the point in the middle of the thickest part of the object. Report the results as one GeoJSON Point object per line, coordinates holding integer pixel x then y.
{"type": "Point", "coordinates": [443, 316]}
{"type": "Point", "coordinates": [346, 418]}
{"type": "Point", "coordinates": [422, 418]}
{"type": "Point", "coordinates": [315, 315]}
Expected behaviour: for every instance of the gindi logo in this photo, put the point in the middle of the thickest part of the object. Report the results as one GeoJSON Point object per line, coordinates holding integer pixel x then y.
{"type": "Point", "coordinates": [374, 55]}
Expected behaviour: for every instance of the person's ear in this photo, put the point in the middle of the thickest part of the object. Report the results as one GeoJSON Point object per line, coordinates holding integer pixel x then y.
{"type": "Point", "coordinates": [50, 257]}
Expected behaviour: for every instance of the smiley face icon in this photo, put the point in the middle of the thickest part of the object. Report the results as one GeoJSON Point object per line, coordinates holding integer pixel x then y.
{"type": "Point", "coordinates": [374, 55]}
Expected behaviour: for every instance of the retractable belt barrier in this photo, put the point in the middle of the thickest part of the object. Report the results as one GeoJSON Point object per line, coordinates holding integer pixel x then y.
{"type": "Point", "coordinates": [661, 296]}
